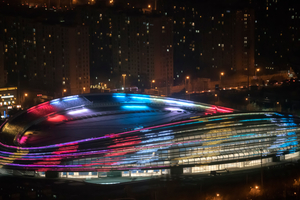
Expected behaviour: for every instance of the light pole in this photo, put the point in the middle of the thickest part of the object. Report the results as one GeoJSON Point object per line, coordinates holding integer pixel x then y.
{"type": "Point", "coordinates": [153, 81]}
{"type": "Point", "coordinates": [186, 86]}
{"type": "Point", "coordinates": [187, 79]}
{"type": "Point", "coordinates": [63, 92]}
{"type": "Point", "coordinates": [261, 169]}
{"type": "Point", "coordinates": [124, 76]}
{"type": "Point", "coordinates": [221, 74]}
{"type": "Point", "coordinates": [257, 70]}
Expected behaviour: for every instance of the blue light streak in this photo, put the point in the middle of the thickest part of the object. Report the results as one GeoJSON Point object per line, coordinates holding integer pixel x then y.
{"type": "Point", "coordinates": [135, 107]}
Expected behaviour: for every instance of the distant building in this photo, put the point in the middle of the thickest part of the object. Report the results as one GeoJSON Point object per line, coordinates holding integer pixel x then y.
{"type": "Point", "coordinates": [3, 78]}
{"type": "Point", "coordinates": [47, 56]}
{"type": "Point", "coordinates": [210, 39]}
{"type": "Point", "coordinates": [277, 34]}
{"type": "Point", "coordinates": [131, 42]}
{"type": "Point", "coordinates": [142, 48]}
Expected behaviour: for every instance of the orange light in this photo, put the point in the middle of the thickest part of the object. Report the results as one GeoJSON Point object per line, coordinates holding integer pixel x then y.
{"type": "Point", "coordinates": [187, 77]}
{"type": "Point", "coordinates": [256, 187]}
{"type": "Point", "coordinates": [153, 81]}
{"type": "Point", "coordinates": [65, 90]}
{"type": "Point", "coordinates": [149, 6]}
{"type": "Point", "coordinates": [222, 73]}
{"type": "Point", "coordinates": [26, 95]}
{"type": "Point", "coordinates": [258, 69]}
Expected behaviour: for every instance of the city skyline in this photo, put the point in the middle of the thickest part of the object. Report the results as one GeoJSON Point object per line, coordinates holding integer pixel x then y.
{"type": "Point", "coordinates": [199, 40]}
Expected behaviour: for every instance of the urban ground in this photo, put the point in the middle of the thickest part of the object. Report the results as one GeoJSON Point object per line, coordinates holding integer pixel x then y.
{"type": "Point", "coordinates": [279, 182]}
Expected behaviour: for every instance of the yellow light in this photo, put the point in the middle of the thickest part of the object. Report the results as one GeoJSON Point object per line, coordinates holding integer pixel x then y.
{"type": "Point", "coordinates": [256, 187]}
{"type": "Point", "coordinates": [149, 6]}
{"type": "Point", "coordinates": [65, 90]}
{"type": "Point", "coordinates": [258, 69]}
{"type": "Point", "coordinates": [246, 99]}
{"type": "Point", "coordinates": [222, 73]}
{"type": "Point", "coordinates": [26, 94]}
{"type": "Point", "coordinates": [277, 103]}
{"type": "Point", "coordinates": [153, 81]}
{"type": "Point", "coordinates": [218, 195]}
{"type": "Point", "coordinates": [84, 88]}
{"type": "Point", "coordinates": [216, 95]}
{"type": "Point", "coordinates": [9, 88]}
{"type": "Point", "coordinates": [124, 75]}
{"type": "Point", "coordinates": [187, 77]}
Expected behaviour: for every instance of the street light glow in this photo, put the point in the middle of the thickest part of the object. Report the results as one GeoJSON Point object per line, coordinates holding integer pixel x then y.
{"type": "Point", "coordinates": [153, 81]}
{"type": "Point", "coordinates": [26, 95]}
{"type": "Point", "coordinates": [187, 77]}
{"type": "Point", "coordinates": [258, 69]}
{"type": "Point", "coordinates": [222, 73]}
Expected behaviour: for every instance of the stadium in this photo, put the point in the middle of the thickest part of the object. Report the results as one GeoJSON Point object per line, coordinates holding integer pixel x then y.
{"type": "Point", "coordinates": [133, 135]}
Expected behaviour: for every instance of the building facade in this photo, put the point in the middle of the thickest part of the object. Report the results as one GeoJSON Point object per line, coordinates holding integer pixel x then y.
{"type": "Point", "coordinates": [210, 39]}
{"type": "Point", "coordinates": [41, 55]}
{"type": "Point", "coordinates": [142, 48]}
{"type": "Point", "coordinates": [3, 78]}
{"type": "Point", "coordinates": [276, 33]}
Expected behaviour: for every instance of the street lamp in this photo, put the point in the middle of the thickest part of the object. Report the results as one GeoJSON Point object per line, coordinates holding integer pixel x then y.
{"type": "Point", "coordinates": [221, 74]}
{"type": "Point", "coordinates": [153, 81]}
{"type": "Point", "coordinates": [63, 92]}
{"type": "Point", "coordinates": [26, 95]}
{"type": "Point", "coordinates": [186, 78]}
{"type": "Point", "coordinates": [185, 85]}
{"type": "Point", "coordinates": [257, 70]}
{"type": "Point", "coordinates": [124, 76]}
